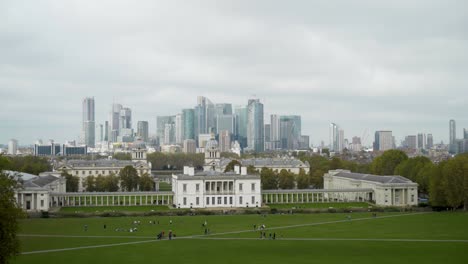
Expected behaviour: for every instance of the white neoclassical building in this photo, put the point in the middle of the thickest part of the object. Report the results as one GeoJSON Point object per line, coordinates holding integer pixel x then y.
{"type": "Point", "coordinates": [387, 190]}
{"type": "Point", "coordinates": [210, 189]}
{"type": "Point", "coordinates": [104, 167]}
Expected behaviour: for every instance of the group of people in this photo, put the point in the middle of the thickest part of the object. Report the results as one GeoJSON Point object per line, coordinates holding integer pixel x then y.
{"type": "Point", "coordinates": [161, 235]}
{"type": "Point", "coordinates": [270, 235]}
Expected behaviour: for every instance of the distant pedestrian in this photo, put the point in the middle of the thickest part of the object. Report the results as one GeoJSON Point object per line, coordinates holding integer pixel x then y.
{"type": "Point", "coordinates": [105, 226]}
{"type": "Point", "coordinates": [274, 236]}
{"type": "Point", "coordinates": [85, 227]}
{"type": "Point", "coordinates": [255, 227]}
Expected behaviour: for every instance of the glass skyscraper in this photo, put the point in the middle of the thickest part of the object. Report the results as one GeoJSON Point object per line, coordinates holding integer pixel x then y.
{"type": "Point", "coordinates": [88, 128]}
{"type": "Point", "coordinates": [255, 126]}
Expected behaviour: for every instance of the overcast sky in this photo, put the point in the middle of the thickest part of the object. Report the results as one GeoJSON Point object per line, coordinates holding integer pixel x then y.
{"type": "Point", "coordinates": [365, 65]}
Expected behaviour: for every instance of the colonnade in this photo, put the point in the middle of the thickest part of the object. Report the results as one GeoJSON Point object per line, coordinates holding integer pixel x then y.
{"type": "Point", "coordinates": [110, 199]}
{"type": "Point", "coordinates": [314, 196]}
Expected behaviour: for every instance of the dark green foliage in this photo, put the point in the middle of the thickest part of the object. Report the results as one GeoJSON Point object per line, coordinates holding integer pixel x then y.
{"type": "Point", "coordinates": [230, 166]}
{"type": "Point", "coordinates": [9, 213]}
{"type": "Point", "coordinates": [455, 175]}
{"type": "Point", "coordinates": [89, 183]}
{"type": "Point", "coordinates": [303, 180]}
{"type": "Point", "coordinates": [175, 161]}
{"type": "Point", "coordinates": [146, 183]}
{"type": "Point", "coordinates": [122, 156]}
{"type": "Point", "coordinates": [129, 178]}
{"type": "Point", "coordinates": [251, 170]}
{"type": "Point", "coordinates": [387, 162]}
{"type": "Point", "coordinates": [269, 179]}
{"type": "Point", "coordinates": [72, 182]}
{"type": "Point", "coordinates": [29, 164]}
{"type": "Point", "coordinates": [286, 180]}
{"type": "Point", "coordinates": [417, 169]}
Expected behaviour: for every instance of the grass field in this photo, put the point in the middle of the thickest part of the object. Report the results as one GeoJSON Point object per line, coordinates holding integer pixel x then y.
{"type": "Point", "coordinates": [301, 238]}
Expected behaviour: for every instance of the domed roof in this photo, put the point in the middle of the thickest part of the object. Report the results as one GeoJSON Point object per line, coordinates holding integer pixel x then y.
{"type": "Point", "coordinates": [211, 144]}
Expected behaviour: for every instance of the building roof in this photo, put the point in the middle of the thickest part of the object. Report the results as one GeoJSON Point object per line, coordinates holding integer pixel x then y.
{"type": "Point", "coordinates": [39, 182]}
{"type": "Point", "coordinates": [22, 175]}
{"type": "Point", "coordinates": [210, 175]}
{"type": "Point", "coordinates": [100, 163]}
{"type": "Point", "coordinates": [373, 178]}
{"type": "Point", "coordinates": [269, 162]}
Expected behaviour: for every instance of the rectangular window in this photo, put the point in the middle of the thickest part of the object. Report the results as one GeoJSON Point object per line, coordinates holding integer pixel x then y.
{"type": "Point", "coordinates": [240, 199]}
{"type": "Point", "coordinates": [103, 172]}
{"type": "Point", "coordinates": [197, 187]}
{"type": "Point", "coordinates": [90, 172]}
{"type": "Point", "coordinates": [230, 200]}
{"type": "Point", "coordinates": [97, 172]}
{"type": "Point", "coordinates": [76, 172]}
{"type": "Point", "coordinates": [225, 200]}
{"type": "Point", "coordinates": [219, 200]}
{"type": "Point", "coordinates": [184, 186]}
{"type": "Point", "coordinates": [412, 198]}
{"type": "Point", "coordinates": [83, 172]}
{"type": "Point", "coordinates": [207, 200]}
{"type": "Point", "coordinates": [185, 200]}
{"type": "Point", "coordinates": [240, 186]}
{"type": "Point", "coordinates": [253, 186]}
{"type": "Point", "coordinates": [42, 203]}
{"type": "Point", "coordinates": [197, 201]}
{"type": "Point", "coordinates": [253, 200]}
{"type": "Point", "coordinates": [213, 201]}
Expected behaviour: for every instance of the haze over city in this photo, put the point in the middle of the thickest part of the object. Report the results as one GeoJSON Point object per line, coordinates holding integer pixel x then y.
{"type": "Point", "coordinates": [362, 65]}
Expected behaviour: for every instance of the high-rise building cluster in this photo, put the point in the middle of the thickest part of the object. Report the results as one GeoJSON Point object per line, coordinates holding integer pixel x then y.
{"type": "Point", "coordinates": [457, 145]}
{"type": "Point", "coordinates": [242, 126]}
{"type": "Point", "coordinates": [419, 142]}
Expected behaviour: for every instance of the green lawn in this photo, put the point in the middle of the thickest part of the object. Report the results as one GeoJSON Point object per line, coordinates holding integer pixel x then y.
{"type": "Point", "coordinates": [320, 205]}
{"type": "Point", "coordinates": [137, 208]}
{"type": "Point", "coordinates": [165, 187]}
{"type": "Point", "coordinates": [234, 240]}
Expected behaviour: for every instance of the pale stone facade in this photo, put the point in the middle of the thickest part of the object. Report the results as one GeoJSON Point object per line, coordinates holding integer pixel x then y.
{"type": "Point", "coordinates": [387, 190]}
{"type": "Point", "coordinates": [215, 189]}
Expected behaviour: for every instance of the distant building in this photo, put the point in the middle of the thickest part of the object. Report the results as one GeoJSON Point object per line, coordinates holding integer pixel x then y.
{"type": "Point", "coordinates": [356, 144]}
{"type": "Point", "coordinates": [188, 118]}
{"type": "Point", "coordinates": [54, 149]}
{"type": "Point", "coordinates": [203, 139]}
{"type": "Point", "coordinates": [226, 122]}
{"type": "Point", "coordinates": [179, 129]}
{"type": "Point", "coordinates": [104, 167]}
{"type": "Point", "coordinates": [421, 141]}
{"type": "Point", "coordinates": [411, 142]}
{"type": "Point", "coordinates": [304, 143]}
{"type": "Point", "coordinates": [12, 147]}
{"type": "Point", "coordinates": [88, 126]}
{"type": "Point", "coordinates": [335, 139]}
{"type": "Point", "coordinates": [452, 137]}
{"type": "Point", "coordinates": [114, 125]}
{"type": "Point", "coordinates": [255, 126]}
{"type": "Point", "coordinates": [225, 141]}
{"type": "Point", "coordinates": [190, 146]}
{"type": "Point", "coordinates": [465, 133]}
{"type": "Point", "coordinates": [430, 141]}
{"type": "Point", "coordinates": [290, 131]}
{"type": "Point", "coordinates": [383, 140]}
{"type": "Point", "coordinates": [161, 122]}
{"type": "Point", "coordinates": [143, 130]}
{"type": "Point", "coordinates": [387, 190]}
{"type": "Point", "coordinates": [275, 131]}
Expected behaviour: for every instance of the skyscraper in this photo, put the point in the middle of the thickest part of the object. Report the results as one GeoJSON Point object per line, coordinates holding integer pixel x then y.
{"type": "Point", "coordinates": [275, 131]}
{"type": "Point", "coordinates": [465, 133]}
{"type": "Point", "coordinates": [383, 140]}
{"type": "Point", "coordinates": [421, 141]}
{"type": "Point", "coordinates": [12, 147]}
{"type": "Point", "coordinates": [188, 117]}
{"type": "Point", "coordinates": [161, 122]}
{"type": "Point", "coordinates": [411, 142]}
{"type": "Point", "coordinates": [179, 129]}
{"type": "Point", "coordinates": [224, 141]}
{"type": "Point", "coordinates": [255, 126]}
{"type": "Point", "coordinates": [430, 141]}
{"type": "Point", "coordinates": [290, 131]}
{"type": "Point", "coordinates": [334, 137]}
{"type": "Point", "coordinates": [225, 122]}
{"type": "Point", "coordinates": [106, 131]}
{"type": "Point", "coordinates": [205, 116]}
{"type": "Point", "coordinates": [114, 118]}
{"type": "Point", "coordinates": [453, 146]}
{"type": "Point", "coordinates": [88, 127]}
{"type": "Point", "coordinates": [143, 130]}
{"type": "Point", "coordinates": [125, 118]}
{"type": "Point", "coordinates": [241, 125]}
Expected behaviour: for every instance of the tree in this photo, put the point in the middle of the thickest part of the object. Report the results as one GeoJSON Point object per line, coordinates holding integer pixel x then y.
{"type": "Point", "coordinates": [231, 165]}
{"type": "Point", "coordinates": [455, 173]}
{"type": "Point", "coordinates": [387, 162]}
{"type": "Point", "coordinates": [90, 184]}
{"type": "Point", "coordinates": [111, 183]}
{"type": "Point", "coordinates": [316, 179]}
{"type": "Point", "coordinates": [9, 214]}
{"type": "Point", "coordinates": [100, 183]}
{"type": "Point", "coordinates": [146, 183]}
{"type": "Point", "coordinates": [303, 181]}
{"type": "Point", "coordinates": [436, 186]}
{"type": "Point", "coordinates": [286, 180]}
{"type": "Point", "coordinates": [269, 179]}
{"type": "Point", "coordinates": [122, 156]}
{"type": "Point", "coordinates": [251, 170]}
{"type": "Point", "coordinates": [416, 169]}
{"type": "Point", "coordinates": [129, 178]}
{"type": "Point", "coordinates": [72, 182]}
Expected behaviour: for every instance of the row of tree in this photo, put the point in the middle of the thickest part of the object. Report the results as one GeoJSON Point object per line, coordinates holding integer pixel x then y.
{"type": "Point", "coordinates": [126, 180]}
{"type": "Point", "coordinates": [175, 161]}
{"type": "Point", "coordinates": [28, 164]}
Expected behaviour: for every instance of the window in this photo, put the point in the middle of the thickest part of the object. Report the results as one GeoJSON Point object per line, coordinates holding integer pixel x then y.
{"type": "Point", "coordinates": [197, 187]}
{"type": "Point", "coordinates": [42, 203]}
{"type": "Point", "coordinates": [213, 201]}
{"type": "Point", "coordinates": [77, 172]}
{"type": "Point", "coordinates": [240, 186]}
{"type": "Point", "coordinates": [253, 186]}
{"type": "Point", "coordinates": [184, 186]}
{"type": "Point", "coordinates": [253, 200]}
{"type": "Point", "coordinates": [97, 172]}
{"type": "Point", "coordinates": [83, 172]}
{"type": "Point", "coordinates": [197, 201]}
{"type": "Point", "coordinates": [185, 200]}
{"type": "Point", "coordinates": [230, 200]}
{"type": "Point", "coordinates": [240, 199]}
{"type": "Point", "coordinates": [412, 198]}
{"type": "Point", "coordinates": [219, 200]}
{"type": "Point", "coordinates": [207, 200]}
{"type": "Point", "coordinates": [225, 200]}
{"type": "Point", "coordinates": [90, 172]}
{"type": "Point", "coordinates": [103, 172]}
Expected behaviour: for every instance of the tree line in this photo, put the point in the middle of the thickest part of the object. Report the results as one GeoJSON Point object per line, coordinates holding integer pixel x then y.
{"type": "Point", "coordinates": [175, 161]}
{"type": "Point", "coordinates": [127, 180]}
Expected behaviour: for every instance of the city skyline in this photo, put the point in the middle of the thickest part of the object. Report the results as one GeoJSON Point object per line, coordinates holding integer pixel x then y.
{"type": "Point", "coordinates": [309, 59]}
